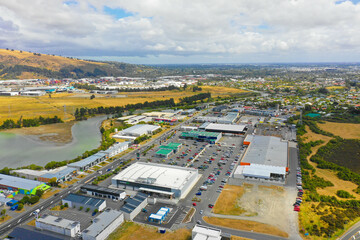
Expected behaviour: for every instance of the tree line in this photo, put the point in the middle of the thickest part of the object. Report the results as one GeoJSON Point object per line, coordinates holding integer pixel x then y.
{"type": "Point", "coordinates": [91, 87]}
{"type": "Point", "coordinates": [30, 122]}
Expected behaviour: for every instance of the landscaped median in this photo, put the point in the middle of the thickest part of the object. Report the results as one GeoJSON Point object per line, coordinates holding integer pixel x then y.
{"type": "Point", "coordinates": [246, 226]}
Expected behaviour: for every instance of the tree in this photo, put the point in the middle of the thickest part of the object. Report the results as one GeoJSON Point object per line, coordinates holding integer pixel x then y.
{"type": "Point", "coordinates": [39, 193]}
{"type": "Point", "coordinates": [53, 182]}
{"type": "Point", "coordinates": [3, 212]}
{"type": "Point", "coordinates": [66, 205]}
{"type": "Point", "coordinates": [88, 209]}
{"type": "Point", "coordinates": [20, 206]}
{"type": "Point", "coordinates": [92, 96]}
{"type": "Point", "coordinates": [81, 208]}
{"type": "Point", "coordinates": [34, 199]}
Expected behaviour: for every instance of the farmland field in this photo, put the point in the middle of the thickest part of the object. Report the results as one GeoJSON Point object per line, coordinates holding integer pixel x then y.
{"type": "Point", "coordinates": [31, 107]}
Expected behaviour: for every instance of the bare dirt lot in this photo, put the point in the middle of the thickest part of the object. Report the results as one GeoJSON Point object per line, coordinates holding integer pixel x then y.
{"type": "Point", "coordinates": [264, 204]}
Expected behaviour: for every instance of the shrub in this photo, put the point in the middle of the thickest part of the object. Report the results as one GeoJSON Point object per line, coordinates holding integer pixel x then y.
{"type": "Point", "coordinates": [344, 194]}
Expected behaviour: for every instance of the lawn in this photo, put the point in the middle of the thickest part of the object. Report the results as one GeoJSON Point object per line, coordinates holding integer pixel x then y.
{"type": "Point", "coordinates": [133, 231]}
{"type": "Point", "coordinates": [227, 202]}
{"type": "Point", "coordinates": [246, 225]}
{"type": "Point", "coordinates": [344, 130]}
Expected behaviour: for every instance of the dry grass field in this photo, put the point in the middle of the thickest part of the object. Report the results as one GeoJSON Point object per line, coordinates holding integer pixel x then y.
{"type": "Point", "coordinates": [50, 193]}
{"type": "Point", "coordinates": [45, 61]}
{"type": "Point", "coordinates": [133, 231]}
{"type": "Point", "coordinates": [30, 107]}
{"type": "Point", "coordinates": [246, 225]}
{"type": "Point", "coordinates": [311, 136]}
{"type": "Point", "coordinates": [227, 202]}
{"type": "Point", "coordinates": [344, 130]}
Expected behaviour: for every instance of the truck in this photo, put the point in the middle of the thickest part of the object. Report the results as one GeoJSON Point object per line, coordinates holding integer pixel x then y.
{"type": "Point", "coordinates": [37, 211]}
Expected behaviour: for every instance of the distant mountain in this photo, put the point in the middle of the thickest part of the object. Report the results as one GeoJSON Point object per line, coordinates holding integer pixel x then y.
{"type": "Point", "coordinates": [15, 64]}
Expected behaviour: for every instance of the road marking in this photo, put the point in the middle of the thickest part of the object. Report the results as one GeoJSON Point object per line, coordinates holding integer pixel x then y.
{"type": "Point", "coordinates": [61, 196]}
{"type": "Point", "coordinates": [19, 220]}
{"type": "Point", "coordinates": [51, 201]}
{"type": "Point", "coordinates": [42, 207]}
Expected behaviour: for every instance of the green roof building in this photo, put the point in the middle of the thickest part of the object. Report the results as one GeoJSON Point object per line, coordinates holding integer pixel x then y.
{"type": "Point", "coordinates": [164, 152]}
{"type": "Point", "coordinates": [211, 137]}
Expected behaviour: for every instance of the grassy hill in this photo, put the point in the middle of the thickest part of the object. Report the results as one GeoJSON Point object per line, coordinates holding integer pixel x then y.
{"type": "Point", "coordinates": [15, 64]}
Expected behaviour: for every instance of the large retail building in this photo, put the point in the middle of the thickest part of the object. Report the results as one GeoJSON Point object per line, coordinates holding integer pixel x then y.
{"type": "Point", "coordinates": [157, 179]}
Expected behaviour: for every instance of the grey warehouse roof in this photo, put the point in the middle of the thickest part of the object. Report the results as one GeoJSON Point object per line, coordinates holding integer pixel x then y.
{"type": "Point", "coordinates": [59, 174]}
{"type": "Point", "coordinates": [57, 221]}
{"type": "Point", "coordinates": [88, 160]}
{"type": "Point", "coordinates": [101, 222]}
{"type": "Point", "coordinates": [17, 182]}
{"type": "Point", "coordinates": [90, 201]}
{"type": "Point", "coordinates": [266, 150]}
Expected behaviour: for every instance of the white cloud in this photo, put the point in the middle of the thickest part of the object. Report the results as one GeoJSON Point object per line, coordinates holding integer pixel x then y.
{"type": "Point", "coordinates": [227, 30]}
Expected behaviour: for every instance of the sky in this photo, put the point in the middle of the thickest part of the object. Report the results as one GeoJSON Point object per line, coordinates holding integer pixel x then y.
{"type": "Point", "coordinates": [185, 31]}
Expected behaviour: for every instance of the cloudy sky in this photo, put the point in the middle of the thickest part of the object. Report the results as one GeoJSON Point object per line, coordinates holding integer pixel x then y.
{"type": "Point", "coordinates": [185, 31]}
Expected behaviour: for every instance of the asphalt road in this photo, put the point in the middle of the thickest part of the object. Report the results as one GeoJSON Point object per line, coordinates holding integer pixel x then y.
{"type": "Point", "coordinates": [352, 233]}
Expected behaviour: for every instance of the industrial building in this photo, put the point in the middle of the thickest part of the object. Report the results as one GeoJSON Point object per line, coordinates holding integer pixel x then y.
{"type": "Point", "coordinates": [61, 174]}
{"type": "Point", "coordinates": [229, 118]}
{"type": "Point", "coordinates": [116, 149]}
{"type": "Point", "coordinates": [104, 192]}
{"type": "Point", "coordinates": [29, 233]}
{"type": "Point", "coordinates": [166, 150]}
{"type": "Point", "coordinates": [211, 137]}
{"type": "Point", "coordinates": [58, 225]}
{"type": "Point", "coordinates": [164, 153]}
{"type": "Point", "coordinates": [134, 205]}
{"type": "Point", "coordinates": [89, 161]}
{"type": "Point", "coordinates": [157, 179]}
{"type": "Point", "coordinates": [136, 131]}
{"type": "Point", "coordinates": [22, 185]}
{"type": "Point", "coordinates": [266, 157]}
{"type": "Point", "coordinates": [188, 128]}
{"type": "Point", "coordinates": [224, 128]}
{"type": "Point", "coordinates": [103, 225]}
{"type": "Point", "coordinates": [200, 232]}
{"type": "Point", "coordinates": [140, 129]}
{"type": "Point", "coordinates": [76, 201]}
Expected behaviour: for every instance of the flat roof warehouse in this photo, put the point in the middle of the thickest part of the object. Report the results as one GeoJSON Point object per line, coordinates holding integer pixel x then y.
{"type": "Point", "coordinates": [162, 175]}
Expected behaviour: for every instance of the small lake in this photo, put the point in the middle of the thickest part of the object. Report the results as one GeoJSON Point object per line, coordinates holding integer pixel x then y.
{"type": "Point", "coordinates": [19, 150]}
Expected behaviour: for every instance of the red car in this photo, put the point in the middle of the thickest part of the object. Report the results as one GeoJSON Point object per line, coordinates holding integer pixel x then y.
{"type": "Point", "coordinates": [221, 186]}
{"type": "Point", "coordinates": [211, 205]}
{"type": "Point", "coordinates": [194, 204]}
{"type": "Point", "coordinates": [297, 208]}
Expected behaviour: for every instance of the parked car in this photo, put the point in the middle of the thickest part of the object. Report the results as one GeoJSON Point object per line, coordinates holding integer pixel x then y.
{"type": "Point", "coordinates": [211, 205]}
{"type": "Point", "coordinates": [194, 204]}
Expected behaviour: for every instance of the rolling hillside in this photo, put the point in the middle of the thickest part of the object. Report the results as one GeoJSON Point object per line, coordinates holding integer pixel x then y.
{"type": "Point", "coordinates": [15, 64]}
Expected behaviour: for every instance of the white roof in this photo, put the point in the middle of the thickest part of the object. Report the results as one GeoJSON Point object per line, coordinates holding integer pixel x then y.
{"type": "Point", "coordinates": [225, 127]}
{"type": "Point", "coordinates": [261, 171]}
{"type": "Point", "coordinates": [155, 216]}
{"type": "Point", "coordinates": [207, 232]}
{"type": "Point", "coordinates": [157, 174]}
{"type": "Point", "coordinates": [119, 135]}
{"type": "Point", "coordinates": [140, 129]}
{"type": "Point", "coordinates": [266, 150]}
